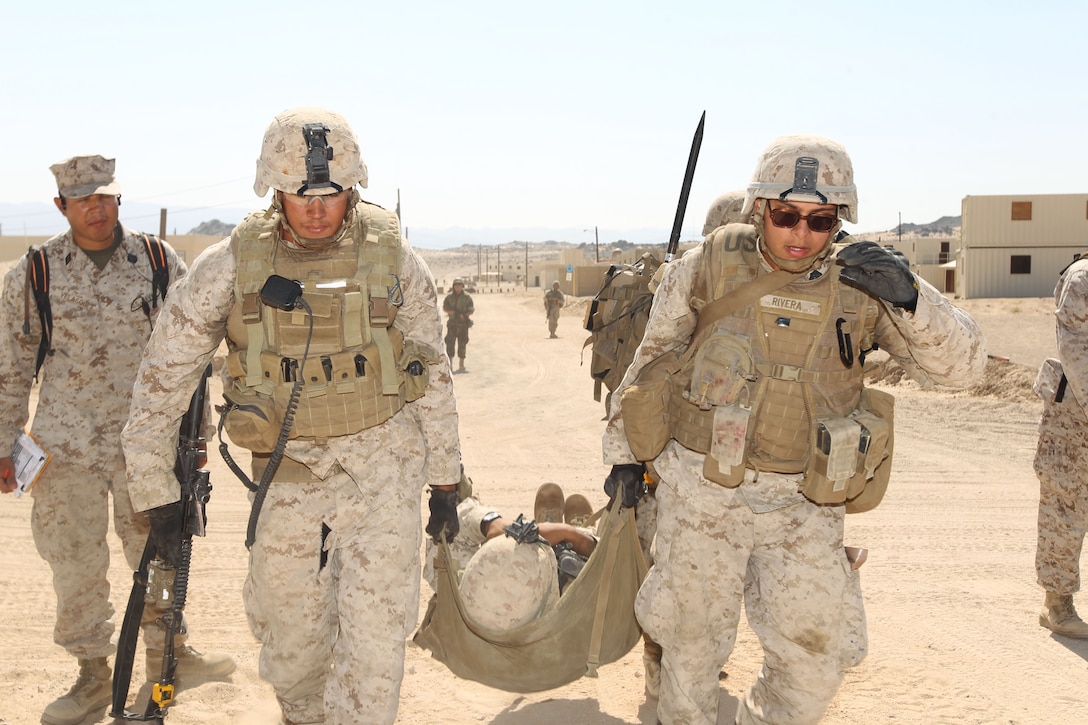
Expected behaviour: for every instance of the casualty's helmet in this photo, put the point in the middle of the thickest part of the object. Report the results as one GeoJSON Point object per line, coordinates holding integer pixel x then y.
{"type": "Point", "coordinates": [726, 209]}
{"type": "Point", "coordinates": [309, 152]}
{"type": "Point", "coordinates": [805, 168]}
{"type": "Point", "coordinates": [507, 584]}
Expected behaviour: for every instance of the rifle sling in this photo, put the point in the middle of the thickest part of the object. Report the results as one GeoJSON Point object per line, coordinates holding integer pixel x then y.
{"type": "Point", "coordinates": [130, 632]}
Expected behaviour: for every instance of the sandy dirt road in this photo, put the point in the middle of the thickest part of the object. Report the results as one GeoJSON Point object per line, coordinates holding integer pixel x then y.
{"type": "Point", "coordinates": [949, 584]}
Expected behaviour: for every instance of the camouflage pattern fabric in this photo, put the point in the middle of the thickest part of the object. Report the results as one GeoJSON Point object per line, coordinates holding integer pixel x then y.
{"type": "Point", "coordinates": [726, 209]}
{"type": "Point", "coordinates": [763, 543]}
{"type": "Point", "coordinates": [457, 323]}
{"type": "Point", "coordinates": [83, 403]}
{"type": "Point", "coordinates": [553, 301]}
{"type": "Point", "coordinates": [81, 176]}
{"type": "Point", "coordinates": [332, 611]}
{"type": "Point", "coordinates": [1061, 459]}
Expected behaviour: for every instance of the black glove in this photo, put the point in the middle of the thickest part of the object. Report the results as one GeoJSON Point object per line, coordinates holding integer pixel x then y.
{"type": "Point", "coordinates": [167, 528]}
{"type": "Point", "coordinates": [880, 272]}
{"type": "Point", "coordinates": [443, 505]}
{"type": "Point", "coordinates": [629, 479]}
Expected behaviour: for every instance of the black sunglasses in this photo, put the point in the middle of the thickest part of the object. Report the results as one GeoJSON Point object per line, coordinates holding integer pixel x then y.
{"type": "Point", "coordinates": [788, 219]}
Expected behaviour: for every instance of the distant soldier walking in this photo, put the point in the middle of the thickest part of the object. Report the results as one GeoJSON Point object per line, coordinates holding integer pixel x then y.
{"type": "Point", "coordinates": [1061, 459]}
{"type": "Point", "coordinates": [553, 301]}
{"type": "Point", "coordinates": [458, 308]}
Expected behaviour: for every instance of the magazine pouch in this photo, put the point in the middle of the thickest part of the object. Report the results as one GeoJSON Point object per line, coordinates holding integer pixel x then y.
{"type": "Point", "coordinates": [850, 460]}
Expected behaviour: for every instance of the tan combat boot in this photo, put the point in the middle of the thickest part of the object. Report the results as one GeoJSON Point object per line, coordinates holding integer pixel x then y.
{"type": "Point", "coordinates": [577, 510]}
{"type": "Point", "coordinates": [460, 365]}
{"type": "Point", "coordinates": [548, 505]}
{"type": "Point", "coordinates": [191, 664]}
{"type": "Point", "coordinates": [1060, 617]}
{"type": "Point", "coordinates": [93, 690]}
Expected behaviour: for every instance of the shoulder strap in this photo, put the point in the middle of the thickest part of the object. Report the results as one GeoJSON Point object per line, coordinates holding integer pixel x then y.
{"type": "Point", "coordinates": [741, 297]}
{"type": "Point", "coordinates": [160, 270]}
{"type": "Point", "coordinates": [37, 284]}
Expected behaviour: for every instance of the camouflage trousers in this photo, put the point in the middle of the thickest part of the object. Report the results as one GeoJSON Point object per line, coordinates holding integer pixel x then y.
{"type": "Point", "coordinates": [332, 594]}
{"type": "Point", "coordinates": [70, 523]}
{"type": "Point", "coordinates": [456, 340]}
{"type": "Point", "coordinates": [787, 566]}
{"type": "Point", "coordinates": [1061, 462]}
{"type": "Point", "coordinates": [553, 320]}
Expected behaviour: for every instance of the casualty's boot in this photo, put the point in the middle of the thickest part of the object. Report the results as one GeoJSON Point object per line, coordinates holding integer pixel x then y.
{"type": "Point", "coordinates": [577, 511]}
{"type": "Point", "coordinates": [93, 690]}
{"type": "Point", "coordinates": [548, 506]}
{"type": "Point", "coordinates": [1060, 617]}
{"type": "Point", "coordinates": [191, 664]}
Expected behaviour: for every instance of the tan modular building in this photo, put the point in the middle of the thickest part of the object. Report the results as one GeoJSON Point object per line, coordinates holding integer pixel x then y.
{"type": "Point", "coordinates": [1015, 246]}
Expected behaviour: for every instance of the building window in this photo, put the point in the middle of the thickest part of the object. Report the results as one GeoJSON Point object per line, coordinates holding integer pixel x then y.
{"type": "Point", "coordinates": [1020, 264]}
{"type": "Point", "coordinates": [1021, 211]}
{"type": "Point", "coordinates": [945, 254]}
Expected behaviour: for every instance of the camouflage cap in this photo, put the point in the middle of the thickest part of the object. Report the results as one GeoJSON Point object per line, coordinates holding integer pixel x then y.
{"type": "Point", "coordinates": [82, 176]}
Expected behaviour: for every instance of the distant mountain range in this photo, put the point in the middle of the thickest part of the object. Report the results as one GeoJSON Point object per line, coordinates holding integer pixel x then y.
{"type": "Point", "coordinates": [946, 226]}
{"type": "Point", "coordinates": [42, 219]}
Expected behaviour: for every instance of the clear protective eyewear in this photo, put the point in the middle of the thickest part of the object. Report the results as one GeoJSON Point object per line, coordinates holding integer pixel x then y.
{"type": "Point", "coordinates": [299, 201]}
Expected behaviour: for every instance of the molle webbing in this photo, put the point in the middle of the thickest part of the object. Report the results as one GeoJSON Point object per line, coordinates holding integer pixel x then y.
{"type": "Point", "coordinates": [351, 374]}
{"type": "Point", "coordinates": [617, 319]}
{"type": "Point", "coordinates": [795, 350]}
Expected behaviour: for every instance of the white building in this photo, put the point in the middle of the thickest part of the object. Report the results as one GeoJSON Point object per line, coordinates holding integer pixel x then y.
{"type": "Point", "coordinates": [1015, 246]}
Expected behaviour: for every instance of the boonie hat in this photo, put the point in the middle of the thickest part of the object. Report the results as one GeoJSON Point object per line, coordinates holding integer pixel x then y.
{"type": "Point", "coordinates": [82, 176]}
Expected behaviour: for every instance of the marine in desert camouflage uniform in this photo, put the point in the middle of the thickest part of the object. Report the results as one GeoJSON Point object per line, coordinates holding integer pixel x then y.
{"type": "Point", "coordinates": [762, 542]}
{"type": "Point", "coordinates": [99, 282]}
{"type": "Point", "coordinates": [333, 585]}
{"type": "Point", "coordinates": [1061, 459]}
{"type": "Point", "coordinates": [459, 308]}
{"type": "Point", "coordinates": [554, 300]}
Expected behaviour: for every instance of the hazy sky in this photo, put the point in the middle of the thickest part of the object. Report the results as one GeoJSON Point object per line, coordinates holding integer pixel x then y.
{"type": "Point", "coordinates": [557, 115]}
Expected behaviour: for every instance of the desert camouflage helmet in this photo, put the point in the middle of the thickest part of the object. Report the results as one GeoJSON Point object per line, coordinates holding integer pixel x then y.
{"type": "Point", "coordinates": [506, 585]}
{"type": "Point", "coordinates": [309, 152]}
{"type": "Point", "coordinates": [726, 209]}
{"type": "Point", "coordinates": [805, 168]}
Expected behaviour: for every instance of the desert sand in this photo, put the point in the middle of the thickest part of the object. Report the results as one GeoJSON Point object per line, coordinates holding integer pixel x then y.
{"type": "Point", "coordinates": [949, 584]}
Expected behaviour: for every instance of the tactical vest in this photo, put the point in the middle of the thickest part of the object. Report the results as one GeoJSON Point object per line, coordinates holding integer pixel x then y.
{"type": "Point", "coordinates": [616, 320]}
{"type": "Point", "coordinates": [352, 366]}
{"type": "Point", "coordinates": [797, 340]}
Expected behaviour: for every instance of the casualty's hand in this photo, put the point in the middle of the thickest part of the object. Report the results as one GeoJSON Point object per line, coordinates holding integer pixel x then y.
{"type": "Point", "coordinates": [629, 479]}
{"type": "Point", "coordinates": [882, 273]}
{"type": "Point", "coordinates": [443, 506]}
{"type": "Point", "coordinates": [7, 475]}
{"type": "Point", "coordinates": [167, 529]}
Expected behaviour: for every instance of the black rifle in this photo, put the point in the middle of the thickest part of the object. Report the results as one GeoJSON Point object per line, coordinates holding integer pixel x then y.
{"type": "Point", "coordinates": [169, 584]}
{"type": "Point", "coordinates": [685, 189]}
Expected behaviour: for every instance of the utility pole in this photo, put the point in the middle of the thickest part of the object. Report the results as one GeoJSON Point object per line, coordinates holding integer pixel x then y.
{"type": "Point", "coordinates": [162, 224]}
{"type": "Point", "coordinates": [526, 265]}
